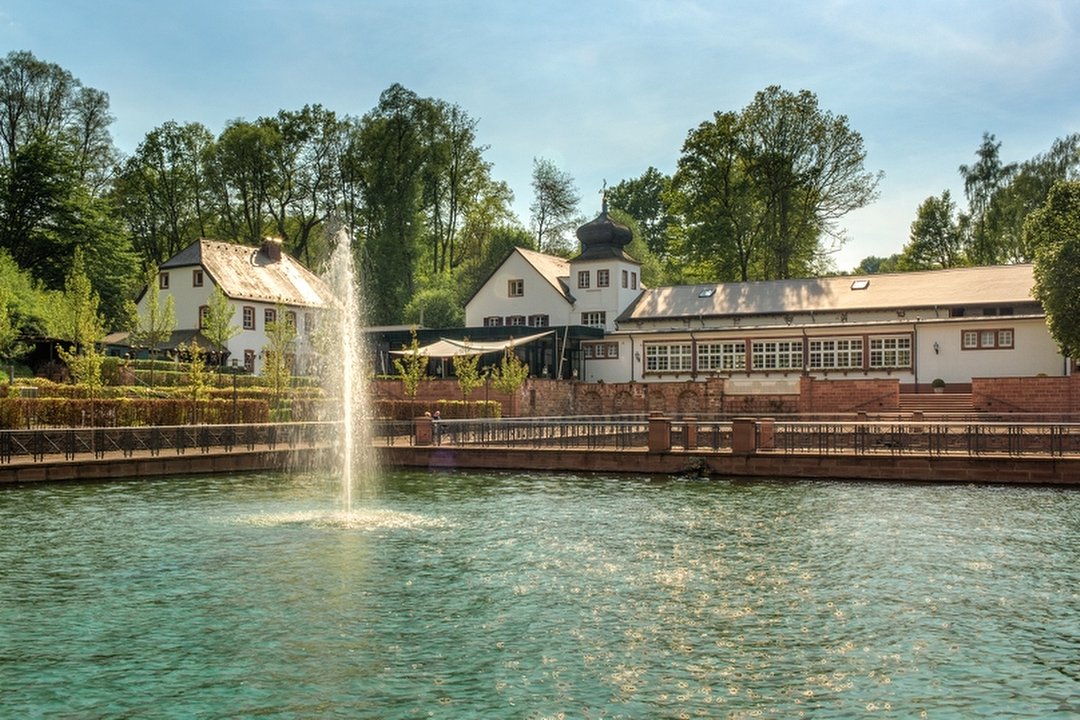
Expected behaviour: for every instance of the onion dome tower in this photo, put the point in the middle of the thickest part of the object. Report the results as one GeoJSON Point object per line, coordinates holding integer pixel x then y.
{"type": "Point", "coordinates": [603, 238]}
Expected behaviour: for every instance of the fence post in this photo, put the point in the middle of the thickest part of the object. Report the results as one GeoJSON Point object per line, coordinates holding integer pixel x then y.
{"type": "Point", "coordinates": [659, 434]}
{"type": "Point", "coordinates": [690, 432]}
{"type": "Point", "coordinates": [766, 434]}
{"type": "Point", "coordinates": [422, 430]}
{"type": "Point", "coordinates": [743, 436]}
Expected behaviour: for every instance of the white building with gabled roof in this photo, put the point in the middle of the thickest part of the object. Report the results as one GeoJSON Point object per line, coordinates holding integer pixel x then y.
{"type": "Point", "coordinates": [257, 281]}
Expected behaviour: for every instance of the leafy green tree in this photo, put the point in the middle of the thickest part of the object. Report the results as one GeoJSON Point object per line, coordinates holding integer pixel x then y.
{"type": "Point", "coordinates": [154, 327]}
{"type": "Point", "coordinates": [162, 191]}
{"type": "Point", "coordinates": [936, 240]}
{"type": "Point", "coordinates": [982, 181]}
{"type": "Point", "coordinates": [510, 374]}
{"type": "Point", "coordinates": [1053, 231]}
{"type": "Point", "coordinates": [77, 320]}
{"type": "Point", "coordinates": [10, 347]}
{"type": "Point", "coordinates": [277, 354]}
{"type": "Point", "coordinates": [436, 307]}
{"type": "Point", "coordinates": [242, 176]}
{"type": "Point", "coordinates": [759, 192]}
{"type": "Point", "coordinates": [198, 376]}
{"type": "Point", "coordinates": [217, 325]}
{"type": "Point", "coordinates": [873, 264]}
{"type": "Point", "coordinates": [411, 367]}
{"type": "Point", "coordinates": [469, 376]}
{"type": "Point", "coordinates": [642, 199]}
{"type": "Point", "coordinates": [554, 207]}
{"type": "Point", "coordinates": [496, 245]}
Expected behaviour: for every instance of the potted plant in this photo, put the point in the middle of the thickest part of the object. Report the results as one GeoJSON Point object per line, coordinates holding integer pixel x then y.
{"type": "Point", "coordinates": [938, 384]}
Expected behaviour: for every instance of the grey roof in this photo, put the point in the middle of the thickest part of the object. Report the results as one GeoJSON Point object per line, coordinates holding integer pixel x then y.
{"type": "Point", "coordinates": [555, 270]}
{"type": "Point", "coordinates": [996, 285]}
{"type": "Point", "coordinates": [248, 273]}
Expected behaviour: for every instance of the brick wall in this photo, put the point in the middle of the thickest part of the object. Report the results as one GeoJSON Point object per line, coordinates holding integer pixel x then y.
{"type": "Point", "coordinates": [1046, 395]}
{"type": "Point", "coordinates": [819, 396]}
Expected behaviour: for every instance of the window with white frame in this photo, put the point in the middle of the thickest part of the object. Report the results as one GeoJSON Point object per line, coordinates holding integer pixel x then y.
{"type": "Point", "coordinates": [249, 317]}
{"type": "Point", "coordinates": [269, 316]}
{"type": "Point", "coordinates": [290, 317]}
{"type": "Point", "coordinates": [890, 352]}
{"type": "Point", "coordinates": [776, 354]}
{"type": "Point", "coordinates": [204, 312]}
{"type": "Point", "coordinates": [196, 278]}
{"type": "Point", "coordinates": [633, 281]}
{"type": "Point", "coordinates": [583, 279]}
{"type": "Point", "coordinates": [515, 287]}
{"type": "Point", "coordinates": [515, 319]}
{"type": "Point", "coordinates": [600, 350]}
{"type": "Point", "coordinates": [625, 279]}
{"type": "Point", "coordinates": [603, 278]}
{"type": "Point", "coordinates": [988, 339]}
{"type": "Point", "coordinates": [538, 320]}
{"type": "Point", "coordinates": [493, 321]}
{"type": "Point", "coordinates": [835, 353]}
{"type": "Point", "coordinates": [721, 355]}
{"type": "Point", "coordinates": [595, 319]}
{"type": "Point", "coordinates": [668, 358]}
{"type": "Point", "coordinates": [163, 280]}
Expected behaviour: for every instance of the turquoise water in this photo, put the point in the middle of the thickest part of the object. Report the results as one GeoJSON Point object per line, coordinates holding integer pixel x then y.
{"type": "Point", "coordinates": [525, 596]}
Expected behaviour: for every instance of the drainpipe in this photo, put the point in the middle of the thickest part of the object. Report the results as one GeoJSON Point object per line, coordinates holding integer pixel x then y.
{"type": "Point", "coordinates": [915, 352]}
{"type": "Point", "coordinates": [631, 357]}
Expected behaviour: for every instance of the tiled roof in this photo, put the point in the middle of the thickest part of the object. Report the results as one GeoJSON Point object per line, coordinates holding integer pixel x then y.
{"type": "Point", "coordinates": [555, 270]}
{"type": "Point", "coordinates": [248, 273]}
{"type": "Point", "coordinates": [997, 285]}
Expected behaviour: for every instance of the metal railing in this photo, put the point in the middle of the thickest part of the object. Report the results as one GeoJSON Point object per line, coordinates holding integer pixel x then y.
{"type": "Point", "coordinates": [71, 443]}
{"type": "Point", "coordinates": [547, 432]}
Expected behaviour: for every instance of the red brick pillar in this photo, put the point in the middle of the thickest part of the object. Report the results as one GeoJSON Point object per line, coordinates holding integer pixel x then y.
{"type": "Point", "coordinates": [422, 430]}
{"type": "Point", "coordinates": [659, 434]}
{"type": "Point", "coordinates": [690, 429]}
{"type": "Point", "coordinates": [743, 436]}
{"type": "Point", "coordinates": [766, 433]}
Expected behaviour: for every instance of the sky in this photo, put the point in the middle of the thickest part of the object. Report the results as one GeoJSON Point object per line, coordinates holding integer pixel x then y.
{"type": "Point", "coordinates": [604, 88]}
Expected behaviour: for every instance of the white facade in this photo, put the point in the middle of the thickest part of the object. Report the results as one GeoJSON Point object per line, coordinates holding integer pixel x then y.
{"type": "Point", "coordinates": [257, 282]}
{"type": "Point", "coordinates": [528, 288]}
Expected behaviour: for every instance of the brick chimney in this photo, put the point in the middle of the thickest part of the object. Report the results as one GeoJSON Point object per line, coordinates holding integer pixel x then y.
{"type": "Point", "coordinates": [271, 247]}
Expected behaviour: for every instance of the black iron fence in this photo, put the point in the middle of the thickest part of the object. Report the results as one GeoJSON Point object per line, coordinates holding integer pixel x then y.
{"type": "Point", "coordinates": [72, 443]}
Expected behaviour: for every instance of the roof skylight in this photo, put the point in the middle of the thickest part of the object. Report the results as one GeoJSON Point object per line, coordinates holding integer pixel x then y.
{"type": "Point", "coordinates": [860, 284]}
{"type": "Point", "coordinates": [707, 292]}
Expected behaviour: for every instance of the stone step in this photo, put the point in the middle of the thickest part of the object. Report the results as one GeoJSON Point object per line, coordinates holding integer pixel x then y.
{"type": "Point", "coordinates": [936, 402]}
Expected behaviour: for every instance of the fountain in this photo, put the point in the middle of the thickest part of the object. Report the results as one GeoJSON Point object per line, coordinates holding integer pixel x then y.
{"type": "Point", "coordinates": [347, 374]}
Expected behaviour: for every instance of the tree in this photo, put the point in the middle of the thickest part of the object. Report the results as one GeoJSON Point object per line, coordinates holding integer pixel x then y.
{"type": "Point", "coordinates": [198, 377]}
{"type": "Point", "coordinates": [469, 377]}
{"type": "Point", "coordinates": [510, 374]}
{"type": "Point", "coordinates": [436, 307]}
{"type": "Point", "coordinates": [277, 354]}
{"type": "Point", "coordinates": [162, 190]}
{"type": "Point", "coordinates": [78, 321]}
{"type": "Point", "coordinates": [936, 241]}
{"type": "Point", "coordinates": [760, 191]}
{"type": "Point", "coordinates": [1053, 231]}
{"type": "Point", "coordinates": [217, 324]}
{"type": "Point", "coordinates": [554, 207]}
{"type": "Point", "coordinates": [155, 326]}
{"type": "Point", "coordinates": [982, 181]}
{"type": "Point", "coordinates": [642, 199]}
{"type": "Point", "coordinates": [872, 264]}
{"type": "Point", "coordinates": [412, 366]}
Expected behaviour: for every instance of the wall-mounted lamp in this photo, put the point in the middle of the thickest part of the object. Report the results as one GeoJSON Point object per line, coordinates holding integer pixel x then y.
{"type": "Point", "coordinates": [937, 347]}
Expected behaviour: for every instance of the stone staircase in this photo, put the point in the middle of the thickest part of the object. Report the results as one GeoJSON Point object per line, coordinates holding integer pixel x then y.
{"type": "Point", "coordinates": [937, 403]}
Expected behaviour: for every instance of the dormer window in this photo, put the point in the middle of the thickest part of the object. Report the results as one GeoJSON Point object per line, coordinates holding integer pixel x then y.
{"type": "Point", "coordinates": [515, 288]}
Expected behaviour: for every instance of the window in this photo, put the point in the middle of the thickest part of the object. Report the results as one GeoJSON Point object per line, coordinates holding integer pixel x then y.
{"type": "Point", "coordinates": [603, 278]}
{"type": "Point", "coordinates": [196, 278]}
{"type": "Point", "coordinates": [515, 320]}
{"type": "Point", "coordinates": [776, 355]}
{"type": "Point", "coordinates": [538, 320]}
{"type": "Point", "coordinates": [890, 352]}
{"type": "Point", "coordinates": [596, 319]}
{"type": "Point", "coordinates": [625, 279]}
{"type": "Point", "coordinates": [600, 350]}
{"type": "Point", "coordinates": [204, 311]}
{"type": "Point", "coordinates": [722, 356]}
{"type": "Point", "coordinates": [515, 288]}
{"type": "Point", "coordinates": [163, 280]}
{"type": "Point", "coordinates": [999, 339]}
{"type": "Point", "coordinates": [290, 317]}
{"type": "Point", "coordinates": [860, 284]}
{"type": "Point", "coordinates": [672, 358]}
{"type": "Point", "coordinates": [835, 353]}
{"type": "Point", "coordinates": [249, 360]}
{"type": "Point", "coordinates": [269, 316]}
{"type": "Point", "coordinates": [493, 321]}
{"type": "Point", "coordinates": [249, 317]}
{"type": "Point", "coordinates": [309, 323]}
{"type": "Point", "coordinates": [583, 278]}
{"type": "Point", "coordinates": [633, 281]}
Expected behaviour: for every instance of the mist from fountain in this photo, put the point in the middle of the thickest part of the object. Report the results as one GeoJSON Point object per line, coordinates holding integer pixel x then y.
{"type": "Point", "coordinates": [348, 374]}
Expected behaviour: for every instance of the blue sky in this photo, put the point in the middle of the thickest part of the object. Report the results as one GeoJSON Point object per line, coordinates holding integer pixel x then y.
{"type": "Point", "coordinates": [604, 88]}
